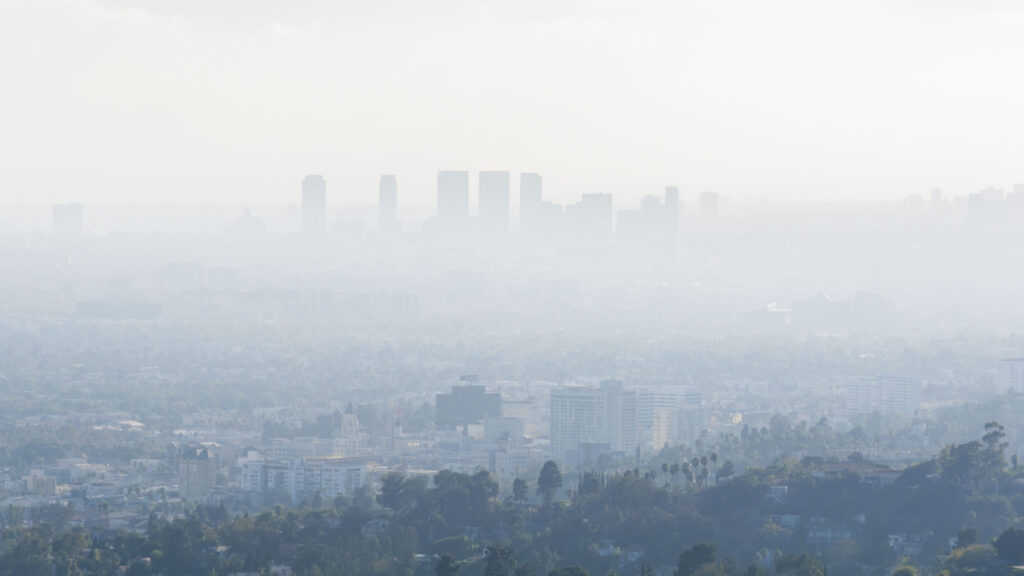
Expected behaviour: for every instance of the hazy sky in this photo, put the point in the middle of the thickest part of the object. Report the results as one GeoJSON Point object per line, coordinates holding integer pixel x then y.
{"type": "Point", "coordinates": [234, 100]}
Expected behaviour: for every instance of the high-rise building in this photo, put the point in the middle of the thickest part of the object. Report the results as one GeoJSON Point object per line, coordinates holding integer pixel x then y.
{"type": "Point", "coordinates": [670, 414]}
{"type": "Point", "coordinates": [672, 211]}
{"type": "Point", "coordinates": [302, 478]}
{"type": "Point", "coordinates": [466, 405]}
{"type": "Point", "coordinates": [593, 415]}
{"type": "Point", "coordinates": [314, 204]}
{"type": "Point", "coordinates": [1011, 375]}
{"type": "Point", "coordinates": [452, 198]}
{"type": "Point", "coordinates": [885, 395]}
{"type": "Point", "coordinates": [197, 473]}
{"type": "Point", "coordinates": [494, 202]}
{"type": "Point", "coordinates": [67, 220]}
{"type": "Point", "coordinates": [531, 200]}
{"type": "Point", "coordinates": [592, 216]}
{"type": "Point", "coordinates": [387, 207]}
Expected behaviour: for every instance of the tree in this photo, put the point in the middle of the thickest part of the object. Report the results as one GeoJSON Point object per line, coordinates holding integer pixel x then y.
{"type": "Point", "coordinates": [966, 537]}
{"type": "Point", "coordinates": [1010, 545]}
{"type": "Point", "coordinates": [66, 549]}
{"type": "Point", "coordinates": [447, 566]}
{"type": "Point", "coordinates": [520, 491]}
{"type": "Point", "coordinates": [802, 565]}
{"type": "Point", "coordinates": [995, 448]}
{"type": "Point", "coordinates": [727, 470]}
{"type": "Point", "coordinates": [569, 571]}
{"type": "Point", "coordinates": [391, 490]}
{"type": "Point", "coordinates": [905, 571]}
{"type": "Point", "coordinates": [549, 481]}
{"type": "Point", "coordinates": [500, 561]}
{"type": "Point", "coordinates": [29, 556]}
{"type": "Point", "coordinates": [694, 557]}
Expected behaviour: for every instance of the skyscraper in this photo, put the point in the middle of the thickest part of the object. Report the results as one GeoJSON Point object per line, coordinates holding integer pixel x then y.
{"type": "Point", "coordinates": [593, 216]}
{"type": "Point", "coordinates": [584, 414]}
{"type": "Point", "coordinates": [314, 204]}
{"type": "Point", "coordinates": [672, 211]}
{"type": "Point", "coordinates": [1011, 375]}
{"type": "Point", "coordinates": [452, 198]}
{"type": "Point", "coordinates": [885, 395]}
{"type": "Point", "coordinates": [494, 202]}
{"type": "Point", "coordinates": [531, 199]}
{"type": "Point", "coordinates": [387, 208]}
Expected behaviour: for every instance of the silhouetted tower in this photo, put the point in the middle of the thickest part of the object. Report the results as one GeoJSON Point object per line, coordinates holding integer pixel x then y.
{"type": "Point", "coordinates": [672, 211]}
{"type": "Point", "coordinates": [531, 202]}
{"type": "Point", "coordinates": [314, 204]}
{"type": "Point", "coordinates": [594, 215]}
{"type": "Point", "coordinates": [387, 208]}
{"type": "Point", "coordinates": [452, 198]}
{"type": "Point", "coordinates": [494, 202]}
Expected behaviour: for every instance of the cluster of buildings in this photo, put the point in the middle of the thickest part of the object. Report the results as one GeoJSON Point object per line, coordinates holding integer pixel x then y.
{"type": "Point", "coordinates": [593, 217]}
{"type": "Point", "coordinates": [583, 420]}
{"type": "Point", "coordinates": [276, 456]}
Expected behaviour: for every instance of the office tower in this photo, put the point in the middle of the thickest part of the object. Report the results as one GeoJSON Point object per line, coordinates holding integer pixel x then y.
{"type": "Point", "coordinates": [494, 202]}
{"type": "Point", "coordinates": [197, 473]}
{"type": "Point", "coordinates": [709, 204]}
{"type": "Point", "coordinates": [466, 405]}
{"type": "Point", "coordinates": [387, 208]}
{"type": "Point", "coordinates": [67, 220]}
{"type": "Point", "coordinates": [670, 414]}
{"type": "Point", "coordinates": [593, 415]}
{"type": "Point", "coordinates": [672, 211]}
{"type": "Point", "coordinates": [531, 200]}
{"type": "Point", "coordinates": [885, 395]}
{"type": "Point", "coordinates": [1015, 202]}
{"type": "Point", "coordinates": [1011, 375]}
{"type": "Point", "coordinates": [314, 204]}
{"type": "Point", "coordinates": [630, 225]}
{"type": "Point", "coordinates": [985, 207]}
{"type": "Point", "coordinates": [302, 478]}
{"type": "Point", "coordinates": [592, 215]}
{"type": "Point", "coordinates": [936, 197]}
{"type": "Point", "coordinates": [452, 198]}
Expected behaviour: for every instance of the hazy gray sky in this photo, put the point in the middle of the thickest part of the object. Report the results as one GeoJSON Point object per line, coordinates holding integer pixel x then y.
{"type": "Point", "coordinates": [234, 100]}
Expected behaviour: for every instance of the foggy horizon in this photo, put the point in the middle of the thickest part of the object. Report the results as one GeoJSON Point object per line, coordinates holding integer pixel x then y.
{"type": "Point", "coordinates": [109, 101]}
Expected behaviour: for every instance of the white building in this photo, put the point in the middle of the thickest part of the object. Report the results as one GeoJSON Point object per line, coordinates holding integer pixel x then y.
{"type": "Point", "coordinates": [669, 415]}
{"type": "Point", "coordinates": [1011, 375]}
{"type": "Point", "coordinates": [885, 395]}
{"type": "Point", "coordinates": [303, 478]}
{"type": "Point", "coordinates": [593, 415]}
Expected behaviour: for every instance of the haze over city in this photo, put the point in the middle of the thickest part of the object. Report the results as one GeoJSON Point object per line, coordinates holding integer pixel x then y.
{"type": "Point", "coordinates": [488, 288]}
